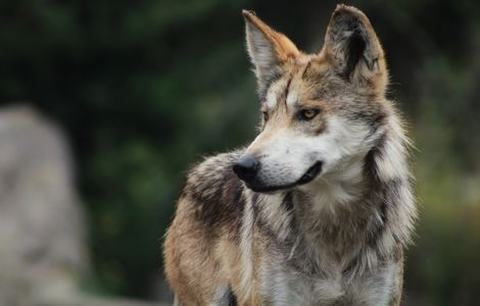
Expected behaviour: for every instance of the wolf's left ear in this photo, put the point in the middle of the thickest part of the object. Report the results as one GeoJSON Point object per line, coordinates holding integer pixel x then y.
{"type": "Point", "coordinates": [268, 49]}
{"type": "Point", "coordinates": [353, 49]}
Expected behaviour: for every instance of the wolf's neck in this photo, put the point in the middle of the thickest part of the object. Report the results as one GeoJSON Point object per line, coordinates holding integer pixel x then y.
{"type": "Point", "coordinates": [325, 196]}
{"type": "Point", "coordinates": [361, 216]}
{"type": "Point", "coordinates": [326, 216]}
{"type": "Point", "coordinates": [335, 212]}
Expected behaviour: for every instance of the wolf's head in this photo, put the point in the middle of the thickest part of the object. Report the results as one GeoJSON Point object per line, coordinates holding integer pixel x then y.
{"type": "Point", "coordinates": [321, 112]}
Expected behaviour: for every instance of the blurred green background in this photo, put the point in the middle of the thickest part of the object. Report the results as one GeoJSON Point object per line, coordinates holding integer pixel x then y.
{"type": "Point", "coordinates": [144, 88]}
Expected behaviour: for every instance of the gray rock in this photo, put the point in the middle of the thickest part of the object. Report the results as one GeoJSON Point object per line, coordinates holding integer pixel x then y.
{"type": "Point", "coordinates": [42, 226]}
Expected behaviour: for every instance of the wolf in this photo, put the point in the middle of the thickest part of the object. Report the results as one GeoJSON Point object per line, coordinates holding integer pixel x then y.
{"type": "Point", "coordinates": [318, 209]}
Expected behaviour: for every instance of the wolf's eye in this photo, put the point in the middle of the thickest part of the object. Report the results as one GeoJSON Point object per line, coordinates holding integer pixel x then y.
{"type": "Point", "coordinates": [265, 116]}
{"type": "Point", "coordinates": [308, 114]}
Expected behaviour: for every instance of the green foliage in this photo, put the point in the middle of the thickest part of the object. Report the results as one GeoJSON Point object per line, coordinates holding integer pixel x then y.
{"type": "Point", "coordinates": [145, 88]}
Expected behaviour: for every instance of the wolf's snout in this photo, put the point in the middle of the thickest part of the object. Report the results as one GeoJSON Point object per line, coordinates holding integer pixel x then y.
{"type": "Point", "coordinates": [246, 167]}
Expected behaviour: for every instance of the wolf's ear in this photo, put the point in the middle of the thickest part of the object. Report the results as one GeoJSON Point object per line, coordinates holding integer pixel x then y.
{"type": "Point", "coordinates": [268, 50]}
{"type": "Point", "coordinates": [353, 49]}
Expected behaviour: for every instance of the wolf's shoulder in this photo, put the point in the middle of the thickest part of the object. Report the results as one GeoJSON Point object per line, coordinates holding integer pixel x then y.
{"type": "Point", "coordinates": [213, 189]}
{"type": "Point", "coordinates": [211, 174]}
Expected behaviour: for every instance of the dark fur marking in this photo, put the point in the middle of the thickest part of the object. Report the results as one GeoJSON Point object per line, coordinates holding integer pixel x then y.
{"type": "Point", "coordinates": [321, 128]}
{"type": "Point", "coordinates": [287, 89]}
{"type": "Point", "coordinates": [288, 202]}
{"type": "Point", "coordinates": [226, 297]}
{"type": "Point", "coordinates": [267, 231]}
{"type": "Point", "coordinates": [219, 201]}
{"type": "Point", "coordinates": [387, 194]}
{"type": "Point", "coordinates": [370, 63]}
{"type": "Point", "coordinates": [370, 165]}
{"type": "Point", "coordinates": [255, 204]}
{"type": "Point", "coordinates": [264, 226]}
{"type": "Point", "coordinates": [232, 300]}
{"type": "Point", "coordinates": [377, 121]}
{"type": "Point", "coordinates": [355, 48]}
{"type": "Point", "coordinates": [373, 119]}
{"type": "Point", "coordinates": [260, 222]}
{"type": "Point", "coordinates": [306, 69]}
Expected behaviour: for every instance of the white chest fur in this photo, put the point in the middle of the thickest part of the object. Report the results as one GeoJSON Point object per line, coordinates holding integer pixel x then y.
{"type": "Point", "coordinates": [282, 285]}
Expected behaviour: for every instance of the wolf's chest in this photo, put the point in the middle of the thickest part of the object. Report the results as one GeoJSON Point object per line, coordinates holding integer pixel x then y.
{"type": "Point", "coordinates": [284, 286]}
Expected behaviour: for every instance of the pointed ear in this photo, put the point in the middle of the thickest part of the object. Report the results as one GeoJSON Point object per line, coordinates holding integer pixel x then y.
{"type": "Point", "coordinates": [268, 50]}
{"type": "Point", "coordinates": [353, 49]}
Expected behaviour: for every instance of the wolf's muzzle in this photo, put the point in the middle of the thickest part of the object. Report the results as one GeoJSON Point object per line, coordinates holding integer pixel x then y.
{"type": "Point", "coordinates": [246, 168]}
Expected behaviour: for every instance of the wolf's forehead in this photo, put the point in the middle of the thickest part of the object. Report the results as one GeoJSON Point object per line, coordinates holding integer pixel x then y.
{"type": "Point", "coordinates": [303, 81]}
{"type": "Point", "coordinates": [285, 90]}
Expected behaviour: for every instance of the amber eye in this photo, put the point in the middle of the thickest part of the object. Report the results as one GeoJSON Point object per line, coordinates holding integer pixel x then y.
{"type": "Point", "coordinates": [308, 114]}
{"type": "Point", "coordinates": [265, 116]}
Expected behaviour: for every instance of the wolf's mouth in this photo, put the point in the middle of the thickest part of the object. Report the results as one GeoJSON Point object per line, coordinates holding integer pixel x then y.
{"type": "Point", "coordinates": [309, 176]}
{"type": "Point", "coordinates": [311, 173]}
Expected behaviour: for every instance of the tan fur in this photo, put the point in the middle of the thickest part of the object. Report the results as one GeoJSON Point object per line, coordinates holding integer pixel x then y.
{"type": "Point", "coordinates": [285, 49]}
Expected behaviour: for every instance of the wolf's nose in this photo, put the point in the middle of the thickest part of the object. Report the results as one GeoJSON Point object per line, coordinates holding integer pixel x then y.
{"type": "Point", "coordinates": [246, 167]}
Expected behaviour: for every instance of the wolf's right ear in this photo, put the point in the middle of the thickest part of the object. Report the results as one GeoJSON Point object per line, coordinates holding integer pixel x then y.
{"type": "Point", "coordinates": [268, 50]}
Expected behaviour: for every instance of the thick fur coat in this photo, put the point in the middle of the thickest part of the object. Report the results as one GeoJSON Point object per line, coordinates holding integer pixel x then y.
{"type": "Point", "coordinates": [318, 209]}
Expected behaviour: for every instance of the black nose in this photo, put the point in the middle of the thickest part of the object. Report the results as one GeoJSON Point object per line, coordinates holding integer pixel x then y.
{"type": "Point", "coordinates": [246, 167]}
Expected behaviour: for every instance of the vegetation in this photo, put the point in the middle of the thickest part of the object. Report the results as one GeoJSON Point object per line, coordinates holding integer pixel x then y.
{"type": "Point", "coordinates": [145, 88]}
